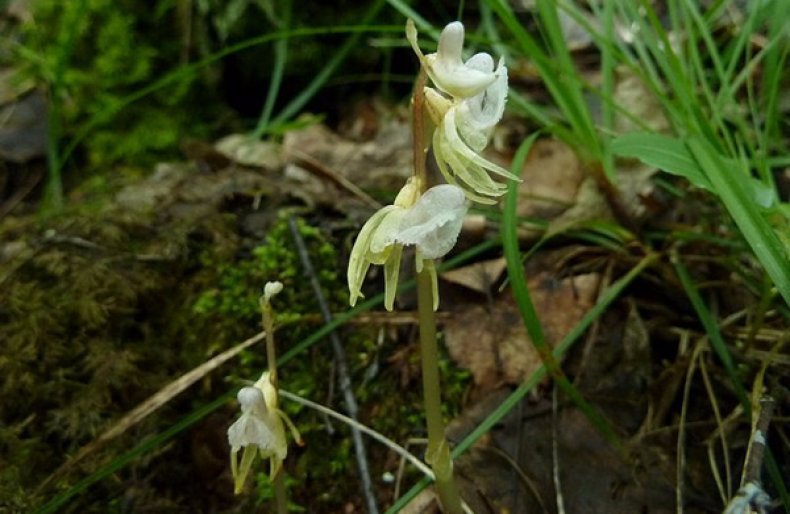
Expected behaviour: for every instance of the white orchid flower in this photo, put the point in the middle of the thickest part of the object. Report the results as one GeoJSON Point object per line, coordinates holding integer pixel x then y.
{"type": "Point", "coordinates": [259, 430]}
{"type": "Point", "coordinates": [430, 222]}
{"type": "Point", "coordinates": [433, 223]}
{"type": "Point", "coordinates": [445, 67]}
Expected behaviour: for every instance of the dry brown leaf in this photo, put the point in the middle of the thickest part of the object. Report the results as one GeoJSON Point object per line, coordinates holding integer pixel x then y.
{"type": "Point", "coordinates": [23, 128]}
{"type": "Point", "coordinates": [552, 176]}
{"type": "Point", "coordinates": [638, 104]}
{"type": "Point", "coordinates": [494, 344]}
{"type": "Point", "coordinates": [247, 151]}
{"type": "Point", "coordinates": [590, 204]}
{"type": "Point", "coordinates": [383, 163]}
{"type": "Point", "coordinates": [479, 276]}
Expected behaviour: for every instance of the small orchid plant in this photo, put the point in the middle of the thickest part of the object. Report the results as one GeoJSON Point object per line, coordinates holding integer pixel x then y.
{"type": "Point", "coordinates": [260, 430]}
{"type": "Point", "coordinates": [465, 103]}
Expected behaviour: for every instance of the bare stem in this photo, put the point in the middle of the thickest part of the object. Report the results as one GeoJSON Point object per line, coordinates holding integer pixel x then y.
{"type": "Point", "coordinates": [268, 327]}
{"type": "Point", "coordinates": [418, 130]}
{"type": "Point", "coordinates": [280, 493]}
{"type": "Point", "coordinates": [438, 454]}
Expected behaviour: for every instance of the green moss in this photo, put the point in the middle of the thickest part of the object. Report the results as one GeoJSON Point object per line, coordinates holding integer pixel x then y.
{"type": "Point", "coordinates": [94, 54]}
{"type": "Point", "coordinates": [233, 301]}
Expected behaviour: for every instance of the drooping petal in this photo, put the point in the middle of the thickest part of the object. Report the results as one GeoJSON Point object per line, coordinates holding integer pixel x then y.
{"type": "Point", "coordinates": [358, 263]}
{"type": "Point", "coordinates": [257, 426]}
{"type": "Point", "coordinates": [240, 471]}
{"type": "Point", "coordinates": [473, 175]}
{"type": "Point", "coordinates": [384, 236]}
{"type": "Point", "coordinates": [464, 151]}
{"type": "Point", "coordinates": [442, 164]}
{"type": "Point", "coordinates": [478, 115]}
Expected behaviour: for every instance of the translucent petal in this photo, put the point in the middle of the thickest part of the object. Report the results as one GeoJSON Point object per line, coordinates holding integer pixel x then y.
{"type": "Point", "coordinates": [249, 430]}
{"type": "Point", "coordinates": [434, 222]}
{"type": "Point", "coordinates": [358, 263]}
{"type": "Point", "coordinates": [478, 115]}
{"type": "Point", "coordinates": [391, 272]}
{"type": "Point", "coordinates": [464, 169]}
{"type": "Point", "coordinates": [451, 43]}
{"type": "Point", "coordinates": [448, 175]}
{"type": "Point", "coordinates": [464, 151]}
{"type": "Point", "coordinates": [445, 67]}
{"type": "Point", "coordinates": [251, 400]}
{"type": "Point", "coordinates": [384, 235]}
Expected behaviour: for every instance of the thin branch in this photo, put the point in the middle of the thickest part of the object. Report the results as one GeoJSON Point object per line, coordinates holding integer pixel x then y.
{"type": "Point", "coordinates": [751, 497]}
{"type": "Point", "coordinates": [356, 425]}
{"type": "Point", "coordinates": [342, 369]}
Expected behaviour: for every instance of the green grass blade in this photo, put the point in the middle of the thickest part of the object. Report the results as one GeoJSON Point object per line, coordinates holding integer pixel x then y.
{"type": "Point", "coordinates": [53, 194]}
{"type": "Point", "coordinates": [296, 105]}
{"type": "Point", "coordinates": [518, 284]}
{"type": "Point", "coordinates": [120, 462]}
{"type": "Point", "coordinates": [278, 69]}
{"type": "Point", "coordinates": [571, 81]}
{"type": "Point", "coordinates": [561, 88]}
{"type": "Point", "coordinates": [405, 9]}
{"type": "Point", "coordinates": [103, 117]}
{"type": "Point", "coordinates": [666, 153]}
{"type": "Point", "coordinates": [734, 189]}
{"type": "Point", "coordinates": [712, 329]}
{"type": "Point", "coordinates": [720, 348]}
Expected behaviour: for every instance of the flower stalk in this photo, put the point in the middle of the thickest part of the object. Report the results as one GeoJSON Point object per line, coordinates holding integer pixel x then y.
{"type": "Point", "coordinates": [267, 315]}
{"type": "Point", "coordinates": [466, 100]}
{"type": "Point", "coordinates": [438, 454]}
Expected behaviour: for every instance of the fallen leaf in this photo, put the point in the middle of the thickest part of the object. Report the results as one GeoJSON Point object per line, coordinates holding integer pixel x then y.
{"type": "Point", "coordinates": [640, 108]}
{"type": "Point", "coordinates": [493, 344]}
{"type": "Point", "coordinates": [248, 151]}
{"type": "Point", "coordinates": [382, 163]}
{"type": "Point", "coordinates": [479, 276]}
{"type": "Point", "coordinates": [552, 176]}
{"type": "Point", "coordinates": [23, 131]}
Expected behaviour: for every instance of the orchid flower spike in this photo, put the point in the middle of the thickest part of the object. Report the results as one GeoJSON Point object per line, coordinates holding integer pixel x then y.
{"type": "Point", "coordinates": [464, 116]}
{"type": "Point", "coordinates": [430, 222]}
{"type": "Point", "coordinates": [259, 430]}
{"type": "Point", "coordinates": [462, 132]}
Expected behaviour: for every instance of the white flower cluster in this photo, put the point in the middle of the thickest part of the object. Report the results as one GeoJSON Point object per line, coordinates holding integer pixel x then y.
{"type": "Point", "coordinates": [466, 102]}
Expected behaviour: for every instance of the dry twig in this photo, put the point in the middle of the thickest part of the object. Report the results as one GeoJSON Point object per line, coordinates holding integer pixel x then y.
{"type": "Point", "coordinates": [342, 369]}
